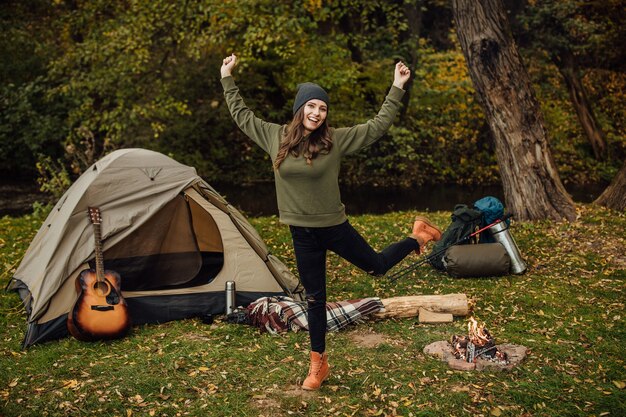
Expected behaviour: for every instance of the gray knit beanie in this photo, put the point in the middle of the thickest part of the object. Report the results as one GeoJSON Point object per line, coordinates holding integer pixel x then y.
{"type": "Point", "coordinates": [309, 91]}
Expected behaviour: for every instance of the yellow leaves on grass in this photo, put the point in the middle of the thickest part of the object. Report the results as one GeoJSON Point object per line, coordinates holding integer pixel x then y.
{"type": "Point", "coordinates": [136, 399]}
{"type": "Point", "coordinates": [71, 384]}
{"type": "Point", "coordinates": [496, 411]}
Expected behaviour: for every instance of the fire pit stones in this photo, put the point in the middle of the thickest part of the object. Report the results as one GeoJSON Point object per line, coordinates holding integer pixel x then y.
{"type": "Point", "coordinates": [444, 351]}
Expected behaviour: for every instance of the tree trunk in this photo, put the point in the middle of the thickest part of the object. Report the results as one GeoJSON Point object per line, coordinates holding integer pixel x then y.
{"type": "Point", "coordinates": [348, 26]}
{"type": "Point", "coordinates": [410, 37]}
{"type": "Point", "coordinates": [532, 187]}
{"type": "Point", "coordinates": [409, 306]}
{"type": "Point", "coordinates": [565, 63]}
{"type": "Point", "coordinates": [614, 197]}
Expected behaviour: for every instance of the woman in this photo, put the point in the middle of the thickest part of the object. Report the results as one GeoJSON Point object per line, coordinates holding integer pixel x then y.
{"type": "Point", "coordinates": [306, 155]}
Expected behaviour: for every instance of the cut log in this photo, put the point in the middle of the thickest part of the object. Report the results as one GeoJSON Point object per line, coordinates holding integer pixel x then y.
{"type": "Point", "coordinates": [408, 306]}
{"type": "Point", "coordinates": [427, 316]}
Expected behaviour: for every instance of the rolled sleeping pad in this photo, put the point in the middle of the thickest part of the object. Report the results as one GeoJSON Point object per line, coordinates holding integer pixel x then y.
{"type": "Point", "coordinates": [479, 260]}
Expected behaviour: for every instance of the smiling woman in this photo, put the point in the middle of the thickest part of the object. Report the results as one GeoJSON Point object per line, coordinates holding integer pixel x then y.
{"type": "Point", "coordinates": [308, 132]}
{"type": "Point", "coordinates": [306, 154]}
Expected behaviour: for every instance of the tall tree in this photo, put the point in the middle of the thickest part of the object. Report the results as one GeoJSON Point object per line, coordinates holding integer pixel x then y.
{"type": "Point", "coordinates": [577, 36]}
{"type": "Point", "coordinates": [532, 187]}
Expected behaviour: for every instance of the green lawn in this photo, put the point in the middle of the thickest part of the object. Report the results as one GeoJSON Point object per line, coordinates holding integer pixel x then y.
{"type": "Point", "coordinates": [568, 309]}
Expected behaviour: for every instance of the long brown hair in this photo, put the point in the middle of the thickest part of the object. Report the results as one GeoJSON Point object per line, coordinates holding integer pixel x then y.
{"type": "Point", "coordinates": [293, 141]}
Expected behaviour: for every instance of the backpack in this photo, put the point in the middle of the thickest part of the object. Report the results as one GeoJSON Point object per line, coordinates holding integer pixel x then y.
{"type": "Point", "coordinates": [464, 222]}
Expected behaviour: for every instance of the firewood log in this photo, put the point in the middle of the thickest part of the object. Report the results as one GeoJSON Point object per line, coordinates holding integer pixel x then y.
{"type": "Point", "coordinates": [427, 316]}
{"type": "Point", "coordinates": [408, 306]}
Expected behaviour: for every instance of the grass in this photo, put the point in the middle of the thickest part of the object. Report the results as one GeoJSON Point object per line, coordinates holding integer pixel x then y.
{"type": "Point", "coordinates": [568, 309]}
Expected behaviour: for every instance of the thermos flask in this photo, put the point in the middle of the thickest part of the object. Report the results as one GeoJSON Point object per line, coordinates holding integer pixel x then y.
{"type": "Point", "coordinates": [500, 232]}
{"type": "Point", "coordinates": [230, 297]}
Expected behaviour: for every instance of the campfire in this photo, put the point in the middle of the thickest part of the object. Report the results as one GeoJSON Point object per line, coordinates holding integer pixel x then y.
{"type": "Point", "coordinates": [477, 344]}
{"type": "Point", "coordinates": [477, 351]}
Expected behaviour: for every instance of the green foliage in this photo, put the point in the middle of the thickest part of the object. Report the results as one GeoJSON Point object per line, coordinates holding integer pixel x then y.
{"type": "Point", "coordinates": [29, 122]}
{"type": "Point", "coordinates": [570, 148]}
{"type": "Point", "coordinates": [440, 140]}
{"type": "Point", "coordinates": [53, 177]}
{"type": "Point", "coordinates": [607, 89]}
{"type": "Point", "coordinates": [29, 125]}
{"type": "Point", "coordinates": [85, 78]}
{"type": "Point", "coordinates": [568, 309]}
{"type": "Point", "coordinates": [591, 31]}
{"type": "Point", "coordinates": [116, 71]}
{"type": "Point", "coordinates": [582, 39]}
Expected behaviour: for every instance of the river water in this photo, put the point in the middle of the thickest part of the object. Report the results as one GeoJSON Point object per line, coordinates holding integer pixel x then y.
{"type": "Point", "coordinates": [16, 198]}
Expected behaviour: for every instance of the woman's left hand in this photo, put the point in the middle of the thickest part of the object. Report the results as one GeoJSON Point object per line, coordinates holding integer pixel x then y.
{"type": "Point", "coordinates": [401, 75]}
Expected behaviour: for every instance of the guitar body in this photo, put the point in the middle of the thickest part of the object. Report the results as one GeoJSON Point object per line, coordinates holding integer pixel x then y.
{"type": "Point", "coordinates": [100, 313]}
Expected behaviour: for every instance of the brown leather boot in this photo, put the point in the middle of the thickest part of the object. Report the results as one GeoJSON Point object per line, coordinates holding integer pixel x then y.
{"type": "Point", "coordinates": [318, 371]}
{"type": "Point", "coordinates": [424, 231]}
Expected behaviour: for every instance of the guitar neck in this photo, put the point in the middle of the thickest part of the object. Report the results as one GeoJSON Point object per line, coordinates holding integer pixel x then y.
{"type": "Point", "coordinates": [99, 255]}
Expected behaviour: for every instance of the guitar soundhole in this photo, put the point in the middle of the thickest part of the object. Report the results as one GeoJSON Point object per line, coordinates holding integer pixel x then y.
{"type": "Point", "coordinates": [101, 288]}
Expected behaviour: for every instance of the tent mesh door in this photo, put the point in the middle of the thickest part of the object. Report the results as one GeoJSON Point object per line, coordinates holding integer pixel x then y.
{"type": "Point", "coordinates": [163, 253]}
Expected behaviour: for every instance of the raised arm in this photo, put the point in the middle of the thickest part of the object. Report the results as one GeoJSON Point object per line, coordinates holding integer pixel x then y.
{"type": "Point", "coordinates": [352, 139]}
{"type": "Point", "coordinates": [262, 133]}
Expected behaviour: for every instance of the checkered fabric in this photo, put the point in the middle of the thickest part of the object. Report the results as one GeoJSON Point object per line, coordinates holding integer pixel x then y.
{"type": "Point", "coordinates": [282, 314]}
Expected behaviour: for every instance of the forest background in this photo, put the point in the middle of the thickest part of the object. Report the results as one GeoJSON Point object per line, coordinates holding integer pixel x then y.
{"type": "Point", "coordinates": [82, 78]}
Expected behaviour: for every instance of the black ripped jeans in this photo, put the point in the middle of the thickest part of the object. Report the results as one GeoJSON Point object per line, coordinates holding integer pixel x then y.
{"type": "Point", "coordinates": [310, 245]}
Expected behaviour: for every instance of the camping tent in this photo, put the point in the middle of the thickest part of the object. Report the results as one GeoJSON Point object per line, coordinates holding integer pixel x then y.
{"type": "Point", "coordinates": [173, 239]}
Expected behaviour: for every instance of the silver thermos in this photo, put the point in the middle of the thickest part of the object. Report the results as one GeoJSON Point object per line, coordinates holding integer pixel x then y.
{"type": "Point", "coordinates": [500, 232]}
{"type": "Point", "coordinates": [230, 297]}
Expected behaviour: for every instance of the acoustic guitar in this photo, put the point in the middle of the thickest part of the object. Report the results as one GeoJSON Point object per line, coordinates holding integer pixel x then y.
{"type": "Point", "coordinates": [100, 313]}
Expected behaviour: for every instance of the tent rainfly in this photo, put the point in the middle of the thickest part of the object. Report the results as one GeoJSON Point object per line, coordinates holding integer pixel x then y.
{"type": "Point", "coordinates": [173, 239]}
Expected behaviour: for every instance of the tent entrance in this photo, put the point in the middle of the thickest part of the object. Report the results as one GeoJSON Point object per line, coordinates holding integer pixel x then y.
{"type": "Point", "coordinates": [178, 247]}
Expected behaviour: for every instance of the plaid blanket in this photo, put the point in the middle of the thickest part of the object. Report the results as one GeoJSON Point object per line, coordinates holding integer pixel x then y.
{"type": "Point", "coordinates": [281, 314]}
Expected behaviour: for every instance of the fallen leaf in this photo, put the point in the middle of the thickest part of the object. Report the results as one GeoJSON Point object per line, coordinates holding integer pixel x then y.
{"type": "Point", "coordinates": [496, 412]}
{"type": "Point", "coordinates": [619, 384]}
{"type": "Point", "coordinates": [70, 383]}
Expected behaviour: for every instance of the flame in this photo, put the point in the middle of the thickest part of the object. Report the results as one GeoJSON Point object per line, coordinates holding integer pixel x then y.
{"type": "Point", "coordinates": [478, 335]}
{"type": "Point", "coordinates": [484, 343]}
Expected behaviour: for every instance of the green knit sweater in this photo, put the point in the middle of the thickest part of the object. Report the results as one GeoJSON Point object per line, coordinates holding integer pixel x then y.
{"type": "Point", "coordinates": [308, 195]}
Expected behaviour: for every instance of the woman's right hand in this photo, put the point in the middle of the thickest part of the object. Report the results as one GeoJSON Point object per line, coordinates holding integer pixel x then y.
{"type": "Point", "coordinates": [228, 64]}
